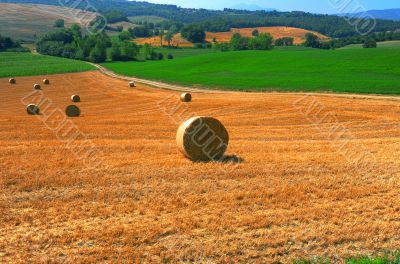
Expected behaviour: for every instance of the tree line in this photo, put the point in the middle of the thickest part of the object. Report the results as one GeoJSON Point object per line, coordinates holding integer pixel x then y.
{"type": "Point", "coordinates": [368, 41]}
{"type": "Point", "coordinates": [8, 44]}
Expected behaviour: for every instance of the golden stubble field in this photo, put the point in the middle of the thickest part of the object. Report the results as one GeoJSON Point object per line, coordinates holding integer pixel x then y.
{"type": "Point", "coordinates": [319, 176]}
{"type": "Point", "coordinates": [298, 35]}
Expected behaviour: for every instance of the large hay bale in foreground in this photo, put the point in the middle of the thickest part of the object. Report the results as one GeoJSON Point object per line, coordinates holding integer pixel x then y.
{"type": "Point", "coordinates": [202, 139]}
{"type": "Point", "coordinates": [46, 81]}
{"type": "Point", "coordinates": [75, 98]}
{"type": "Point", "coordinates": [132, 84]}
{"type": "Point", "coordinates": [73, 111]}
{"type": "Point", "coordinates": [32, 109]}
{"type": "Point", "coordinates": [37, 87]}
{"type": "Point", "coordinates": [12, 81]}
{"type": "Point", "coordinates": [186, 97]}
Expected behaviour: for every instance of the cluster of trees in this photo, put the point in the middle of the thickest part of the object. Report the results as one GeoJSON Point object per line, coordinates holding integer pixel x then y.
{"type": "Point", "coordinates": [285, 41]}
{"type": "Point", "coordinates": [71, 43]}
{"type": "Point", "coordinates": [114, 16]}
{"type": "Point", "coordinates": [262, 41]}
{"type": "Point", "coordinates": [150, 54]}
{"type": "Point", "coordinates": [8, 44]}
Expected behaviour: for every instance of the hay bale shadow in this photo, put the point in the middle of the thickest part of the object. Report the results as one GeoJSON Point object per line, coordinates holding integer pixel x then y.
{"type": "Point", "coordinates": [231, 159]}
{"type": "Point", "coordinates": [226, 159]}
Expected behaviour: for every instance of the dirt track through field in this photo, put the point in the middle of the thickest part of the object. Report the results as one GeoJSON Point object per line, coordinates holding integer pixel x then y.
{"type": "Point", "coordinates": [180, 88]}
{"type": "Point", "coordinates": [319, 177]}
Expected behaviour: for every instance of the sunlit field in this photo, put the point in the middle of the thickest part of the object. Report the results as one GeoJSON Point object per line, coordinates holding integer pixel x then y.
{"type": "Point", "coordinates": [303, 186]}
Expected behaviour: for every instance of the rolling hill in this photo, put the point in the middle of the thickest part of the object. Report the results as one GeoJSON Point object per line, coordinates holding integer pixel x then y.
{"type": "Point", "coordinates": [388, 14]}
{"type": "Point", "coordinates": [24, 21]}
{"type": "Point", "coordinates": [224, 20]}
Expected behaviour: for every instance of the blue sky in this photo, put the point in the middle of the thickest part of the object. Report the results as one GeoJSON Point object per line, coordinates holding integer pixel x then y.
{"type": "Point", "coordinates": [317, 6]}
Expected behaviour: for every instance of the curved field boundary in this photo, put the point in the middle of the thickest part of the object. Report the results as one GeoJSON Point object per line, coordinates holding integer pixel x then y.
{"type": "Point", "coordinates": [180, 88]}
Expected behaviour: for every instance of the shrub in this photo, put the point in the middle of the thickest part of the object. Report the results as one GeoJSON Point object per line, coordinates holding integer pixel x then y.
{"type": "Point", "coordinates": [286, 41]}
{"type": "Point", "coordinates": [59, 23]}
{"type": "Point", "coordinates": [370, 43]}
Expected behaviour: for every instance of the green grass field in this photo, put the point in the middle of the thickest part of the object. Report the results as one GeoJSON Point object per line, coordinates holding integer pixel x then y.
{"type": "Point", "coordinates": [183, 52]}
{"type": "Point", "coordinates": [389, 258]}
{"type": "Point", "coordinates": [14, 64]}
{"type": "Point", "coordinates": [290, 69]}
{"type": "Point", "coordinates": [386, 44]}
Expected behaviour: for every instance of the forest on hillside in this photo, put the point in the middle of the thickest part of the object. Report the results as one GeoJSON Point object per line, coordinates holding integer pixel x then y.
{"type": "Point", "coordinates": [223, 20]}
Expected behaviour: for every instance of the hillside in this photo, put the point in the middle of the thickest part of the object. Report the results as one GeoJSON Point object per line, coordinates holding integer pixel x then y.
{"type": "Point", "coordinates": [390, 14]}
{"type": "Point", "coordinates": [224, 20]}
{"type": "Point", "coordinates": [24, 21]}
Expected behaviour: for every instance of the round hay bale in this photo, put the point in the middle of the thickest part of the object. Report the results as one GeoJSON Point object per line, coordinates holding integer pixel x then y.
{"type": "Point", "coordinates": [186, 97]}
{"type": "Point", "coordinates": [12, 81]}
{"type": "Point", "coordinates": [202, 139]}
{"type": "Point", "coordinates": [32, 109]}
{"type": "Point", "coordinates": [46, 81]}
{"type": "Point", "coordinates": [37, 87]}
{"type": "Point", "coordinates": [75, 98]}
{"type": "Point", "coordinates": [132, 84]}
{"type": "Point", "coordinates": [73, 111]}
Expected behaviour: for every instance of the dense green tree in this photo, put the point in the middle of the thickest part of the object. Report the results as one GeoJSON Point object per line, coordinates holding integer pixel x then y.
{"type": "Point", "coordinates": [114, 16]}
{"type": "Point", "coordinates": [168, 37]}
{"type": "Point", "coordinates": [264, 41]}
{"type": "Point", "coordinates": [125, 35]}
{"type": "Point", "coordinates": [194, 34]}
{"type": "Point", "coordinates": [238, 42]}
{"type": "Point", "coordinates": [7, 43]}
{"type": "Point", "coordinates": [370, 43]}
{"type": "Point", "coordinates": [312, 41]}
{"type": "Point", "coordinates": [59, 23]}
{"type": "Point", "coordinates": [255, 33]}
{"type": "Point", "coordinates": [129, 51]}
{"type": "Point", "coordinates": [115, 51]}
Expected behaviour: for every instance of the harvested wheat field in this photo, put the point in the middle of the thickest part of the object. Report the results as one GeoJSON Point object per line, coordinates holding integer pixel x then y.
{"type": "Point", "coordinates": [277, 32]}
{"type": "Point", "coordinates": [312, 176]}
{"type": "Point", "coordinates": [177, 41]}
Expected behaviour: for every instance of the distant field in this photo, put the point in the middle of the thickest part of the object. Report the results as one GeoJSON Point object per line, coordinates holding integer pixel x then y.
{"type": "Point", "coordinates": [25, 64]}
{"type": "Point", "coordinates": [277, 32]}
{"type": "Point", "coordinates": [395, 43]}
{"type": "Point", "coordinates": [24, 21]}
{"type": "Point", "coordinates": [288, 69]}
{"type": "Point", "coordinates": [177, 41]}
